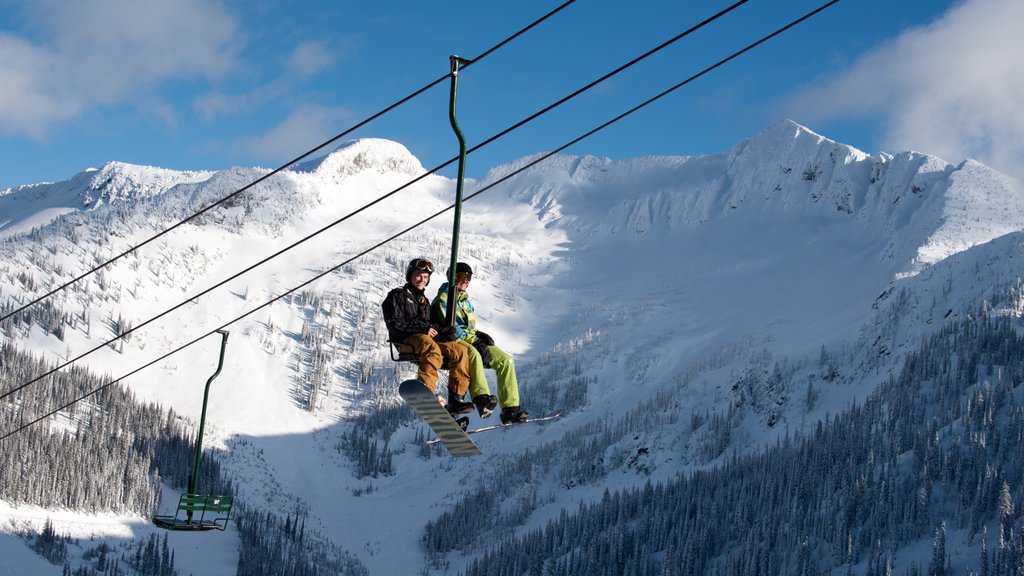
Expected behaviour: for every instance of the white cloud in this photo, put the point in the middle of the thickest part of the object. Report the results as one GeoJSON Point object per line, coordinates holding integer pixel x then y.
{"type": "Point", "coordinates": [953, 88]}
{"type": "Point", "coordinates": [95, 52]}
{"type": "Point", "coordinates": [28, 102]}
{"type": "Point", "coordinates": [305, 61]}
{"type": "Point", "coordinates": [304, 129]}
{"type": "Point", "coordinates": [308, 58]}
{"type": "Point", "coordinates": [215, 104]}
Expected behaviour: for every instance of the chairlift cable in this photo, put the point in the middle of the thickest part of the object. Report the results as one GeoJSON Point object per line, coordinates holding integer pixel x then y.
{"type": "Point", "coordinates": [327, 227]}
{"type": "Point", "coordinates": [435, 215]}
{"type": "Point", "coordinates": [281, 168]}
{"type": "Point", "coordinates": [643, 56]}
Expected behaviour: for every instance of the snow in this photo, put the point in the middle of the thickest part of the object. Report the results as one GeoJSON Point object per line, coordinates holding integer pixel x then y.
{"type": "Point", "coordinates": [211, 552]}
{"type": "Point", "coordinates": [648, 269]}
{"type": "Point", "coordinates": [27, 207]}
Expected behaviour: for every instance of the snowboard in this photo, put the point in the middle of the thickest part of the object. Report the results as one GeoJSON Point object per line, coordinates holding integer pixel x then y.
{"type": "Point", "coordinates": [497, 426]}
{"type": "Point", "coordinates": [425, 404]}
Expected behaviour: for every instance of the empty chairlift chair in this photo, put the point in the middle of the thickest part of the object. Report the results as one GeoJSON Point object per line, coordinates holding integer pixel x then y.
{"type": "Point", "coordinates": [197, 511]}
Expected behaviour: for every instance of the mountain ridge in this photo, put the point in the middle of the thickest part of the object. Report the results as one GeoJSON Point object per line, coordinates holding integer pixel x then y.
{"type": "Point", "coordinates": [684, 311]}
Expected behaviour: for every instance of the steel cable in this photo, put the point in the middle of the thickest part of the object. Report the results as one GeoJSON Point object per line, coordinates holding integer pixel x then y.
{"type": "Point", "coordinates": [437, 214]}
{"type": "Point", "coordinates": [327, 227]}
{"type": "Point", "coordinates": [283, 167]}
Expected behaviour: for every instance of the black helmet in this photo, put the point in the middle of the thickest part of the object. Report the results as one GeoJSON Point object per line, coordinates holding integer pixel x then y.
{"type": "Point", "coordinates": [462, 269]}
{"type": "Point", "coordinates": [418, 264]}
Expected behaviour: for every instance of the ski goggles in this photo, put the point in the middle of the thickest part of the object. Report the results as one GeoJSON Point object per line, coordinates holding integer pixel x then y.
{"type": "Point", "coordinates": [463, 277]}
{"type": "Point", "coordinates": [422, 265]}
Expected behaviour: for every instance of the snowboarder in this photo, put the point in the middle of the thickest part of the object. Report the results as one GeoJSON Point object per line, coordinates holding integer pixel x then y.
{"type": "Point", "coordinates": [481, 352]}
{"type": "Point", "coordinates": [407, 316]}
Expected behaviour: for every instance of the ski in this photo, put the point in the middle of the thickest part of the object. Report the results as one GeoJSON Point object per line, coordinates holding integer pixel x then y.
{"type": "Point", "coordinates": [425, 404]}
{"type": "Point", "coordinates": [497, 426]}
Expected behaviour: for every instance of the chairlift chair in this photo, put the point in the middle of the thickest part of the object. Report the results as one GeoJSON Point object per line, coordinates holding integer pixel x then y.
{"type": "Point", "coordinates": [193, 506]}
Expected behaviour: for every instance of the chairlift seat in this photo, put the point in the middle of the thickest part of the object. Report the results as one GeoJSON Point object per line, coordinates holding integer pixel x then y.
{"type": "Point", "coordinates": [402, 352]}
{"type": "Point", "coordinates": [190, 505]}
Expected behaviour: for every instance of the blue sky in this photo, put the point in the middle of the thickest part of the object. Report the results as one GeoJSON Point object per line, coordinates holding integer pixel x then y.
{"type": "Point", "coordinates": [202, 84]}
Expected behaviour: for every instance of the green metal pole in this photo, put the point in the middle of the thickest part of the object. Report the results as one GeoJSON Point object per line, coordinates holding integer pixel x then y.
{"type": "Point", "coordinates": [194, 485]}
{"type": "Point", "coordinates": [455, 63]}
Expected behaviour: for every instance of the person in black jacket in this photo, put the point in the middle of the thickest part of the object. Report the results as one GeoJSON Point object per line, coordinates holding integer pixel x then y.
{"type": "Point", "coordinates": [407, 316]}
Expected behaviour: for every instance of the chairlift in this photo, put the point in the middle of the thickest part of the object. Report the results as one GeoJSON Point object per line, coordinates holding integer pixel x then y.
{"type": "Point", "coordinates": [400, 351]}
{"type": "Point", "coordinates": [198, 511]}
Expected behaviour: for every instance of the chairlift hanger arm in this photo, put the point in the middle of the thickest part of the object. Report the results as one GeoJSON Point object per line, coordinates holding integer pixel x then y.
{"type": "Point", "coordinates": [456, 62]}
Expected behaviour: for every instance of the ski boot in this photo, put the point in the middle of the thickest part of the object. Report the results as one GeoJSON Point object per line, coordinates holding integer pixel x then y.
{"type": "Point", "coordinates": [513, 415]}
{"type": "Point", "coordinates": [457, 406]}
{"type": "Point", "coordinates": [485, 404]}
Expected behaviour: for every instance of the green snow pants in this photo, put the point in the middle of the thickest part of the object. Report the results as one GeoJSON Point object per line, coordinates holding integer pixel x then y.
{"type": "Point", "coordinates": [504, 368]}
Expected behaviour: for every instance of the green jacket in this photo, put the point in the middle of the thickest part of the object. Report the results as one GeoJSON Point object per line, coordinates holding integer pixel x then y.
{"type": "Point", "coordinates": [465, 318]}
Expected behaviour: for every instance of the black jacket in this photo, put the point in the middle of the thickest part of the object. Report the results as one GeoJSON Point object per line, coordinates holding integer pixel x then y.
{"type": "Point", "coordinates": [407, 312]}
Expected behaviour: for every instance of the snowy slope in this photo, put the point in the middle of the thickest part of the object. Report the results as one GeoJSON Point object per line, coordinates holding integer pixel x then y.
{"type": "Point", "coordinates": [26, 207]}
{"type": "Point", "coordinates": [657, 282]}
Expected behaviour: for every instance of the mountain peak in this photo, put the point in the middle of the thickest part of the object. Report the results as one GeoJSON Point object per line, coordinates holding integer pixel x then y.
{"type": "Point", "coordinates": [787, 138]}
{"type": "Point", "coordinates": [684, 311]}
{"type": "Point", "coordinates": [376, 154]}
{"type": "Point", "coordinates": [28, 206]}
{"type": "Point", "coordinates": [121, 181]}
{"type": "Point", "coordinates": [789, 129]}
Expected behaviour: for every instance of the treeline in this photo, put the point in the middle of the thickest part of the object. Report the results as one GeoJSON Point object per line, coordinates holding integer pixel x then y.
{"type": "Point", "coordinates": [285, 547]}
{"type": "Point", "coordinates": [52, 319]}
{"type": "Point", "coordinates": [370, 457]}
{"type": "Point", "coordinates": [152, 557]}
{"type": "Point", "coordinates": [97, 455]}
{"type": "Point", "coordinates": [103, 454]}
{"type": "Point", "coordinates": [108, 455]}
{"type": "Point", "coordinates": [936, 448]}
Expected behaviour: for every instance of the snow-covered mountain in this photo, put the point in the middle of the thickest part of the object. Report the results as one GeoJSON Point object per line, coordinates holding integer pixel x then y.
{"type": "Point", "coordinates": [686, 313]}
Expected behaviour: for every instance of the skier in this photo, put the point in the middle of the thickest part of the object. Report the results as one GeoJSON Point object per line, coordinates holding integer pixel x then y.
{"type": "Point", "coordinates": [407, 316]}
{"type": "Point", "coordinates": [481, 352]}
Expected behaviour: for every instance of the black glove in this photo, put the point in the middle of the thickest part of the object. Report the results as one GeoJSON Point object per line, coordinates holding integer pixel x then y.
{"type": "Point", "coordinates": [484, 337]}
{"type": "Point", "coordinates": [484, 349]}
{"type": "Point", "coordinates": [445, 333]}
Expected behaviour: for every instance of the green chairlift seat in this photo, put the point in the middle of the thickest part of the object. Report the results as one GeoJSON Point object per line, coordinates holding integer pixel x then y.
{"type": "Point", "coordinates": [193, 506]}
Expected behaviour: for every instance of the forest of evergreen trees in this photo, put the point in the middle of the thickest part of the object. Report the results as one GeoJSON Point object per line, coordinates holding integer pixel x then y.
{"type": "Point", "coordinates": [143, 556]}
{"type": "Point", "coordinates": [937, 448]}
{"type": "Point", "coordinates": [284, 547]}
{"type": "Point", "coordinates": [99, 455]}
{"type": "Point", "coordinates": [108, 454]}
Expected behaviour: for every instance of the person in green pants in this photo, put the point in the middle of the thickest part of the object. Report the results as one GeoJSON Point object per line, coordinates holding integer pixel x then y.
{"type": "Point", "coordinates": [481, 352]}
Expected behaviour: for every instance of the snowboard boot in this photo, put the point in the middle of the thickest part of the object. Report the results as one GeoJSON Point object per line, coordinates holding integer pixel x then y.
{"type": "Point", "coordinates": [485, 404]}
{"type": "Point", "coordinates": [463, 422]}
{"type": "Point", "coordinates": [513, 415]}
{"type": "Point", "coordinates": [457, 406]}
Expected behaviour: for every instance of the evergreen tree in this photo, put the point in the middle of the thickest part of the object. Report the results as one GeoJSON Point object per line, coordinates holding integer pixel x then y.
{"type": "Point", "coordinates": [937, 564]}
